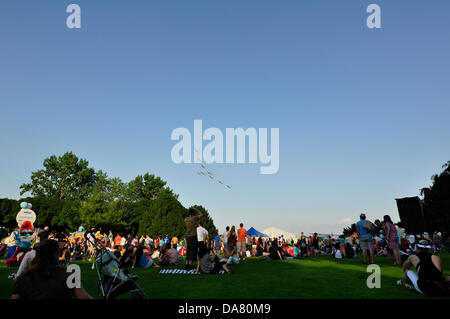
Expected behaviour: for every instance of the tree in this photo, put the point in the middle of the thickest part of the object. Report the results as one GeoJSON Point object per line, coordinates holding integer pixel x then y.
{"type": "Point", "coordinates": [163, 215]}
{"type": "Point", "coordinates": [349, 230]}
{"type": "Point", "coordinates": [206, 221]}
{"type": "Point", "coordinates": [146, 187]}
{"type": "Point", "coordinates": [107, 189]}
{"type": "Point", "coordinates": [63, 177]}
{"type": "Point", "coordinates": [67, 193]}
{"type": "Point", "coordinates": [436, 201]}
{"type": "Point", "coordinates": [8, 211]}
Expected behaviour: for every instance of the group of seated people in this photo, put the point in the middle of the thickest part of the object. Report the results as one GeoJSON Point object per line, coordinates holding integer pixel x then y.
{"type": "Point", "coordinates": [43, 275]}
{"type": "Point", "coordinates": [141, 256]}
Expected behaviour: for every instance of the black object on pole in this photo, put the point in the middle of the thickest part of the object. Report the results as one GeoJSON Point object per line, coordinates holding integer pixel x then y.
{"type": "Point", "coordinates": [411, 214]}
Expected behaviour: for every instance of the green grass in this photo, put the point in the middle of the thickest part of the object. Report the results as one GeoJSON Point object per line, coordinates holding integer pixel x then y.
{"type": "Point", "coordinates": [315, 277]}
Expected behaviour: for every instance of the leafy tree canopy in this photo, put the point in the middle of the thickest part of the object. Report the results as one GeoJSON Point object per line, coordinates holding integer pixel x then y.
{"type": "Point", "coordinates": [64, 177]}
{"type": "Point", "coordinates": [67, 193]}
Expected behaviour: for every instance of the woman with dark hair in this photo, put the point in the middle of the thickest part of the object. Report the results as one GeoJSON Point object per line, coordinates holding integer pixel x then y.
{"type": "Point", "coordinates": [46, 278]}
{"type": "Point", "coordinates": [315, 244]}
{"type": "Point", "coordinates": [391, 237]}
{"type": "Point", "coordinates": [232, 238]}
{"type": "Point", "coordinates": [259, 247]}
{"type": "Point", "coordinates": [209, 263]}
{"type": "Point", "coordinates": [274, 252]}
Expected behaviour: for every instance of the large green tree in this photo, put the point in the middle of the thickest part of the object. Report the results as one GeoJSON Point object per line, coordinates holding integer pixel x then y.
{"type": "Point", "coordinates": [163, 215]}
{"type": "Point", "coordinates": [63, 177]}
{"type": "Point", "coordinates": [67, 193]}
{"type": "Point", "coordinates": [146, 187]}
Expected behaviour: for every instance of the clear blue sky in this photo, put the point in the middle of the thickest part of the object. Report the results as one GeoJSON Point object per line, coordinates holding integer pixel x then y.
{"type": "Point", "coordinates": [363, 114]}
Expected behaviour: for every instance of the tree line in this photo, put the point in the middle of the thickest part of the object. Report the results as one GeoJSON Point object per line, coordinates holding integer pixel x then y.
{"type": "Point", "coordinates": [67, 193]}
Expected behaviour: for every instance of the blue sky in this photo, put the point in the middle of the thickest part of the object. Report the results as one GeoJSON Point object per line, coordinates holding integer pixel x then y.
{"type": "Point", "coordinates": [363, 114]}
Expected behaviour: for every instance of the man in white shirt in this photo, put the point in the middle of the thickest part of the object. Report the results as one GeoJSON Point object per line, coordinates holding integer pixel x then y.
{"type": "Point", "coordinates": [202, 235]}
{"type": "Point", "coordinates": [225, 237]}
{"type": "Point", "coordinates": [123, 241]}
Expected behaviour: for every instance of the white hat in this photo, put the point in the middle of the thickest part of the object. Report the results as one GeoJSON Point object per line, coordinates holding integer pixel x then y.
{"type": "Point", "coordinates": [423, 243]}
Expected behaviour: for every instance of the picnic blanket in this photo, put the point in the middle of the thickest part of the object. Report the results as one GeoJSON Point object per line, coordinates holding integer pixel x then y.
{"type": "Point", "coordinates": [182, 272]}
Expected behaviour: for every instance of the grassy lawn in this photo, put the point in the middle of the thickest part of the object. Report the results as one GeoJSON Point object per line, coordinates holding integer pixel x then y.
{"type": "Point", "coordinates": [314, 277]}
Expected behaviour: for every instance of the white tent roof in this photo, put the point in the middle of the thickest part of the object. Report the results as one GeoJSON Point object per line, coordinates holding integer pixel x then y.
{"type": "Point", "coordinates": [274, 232]}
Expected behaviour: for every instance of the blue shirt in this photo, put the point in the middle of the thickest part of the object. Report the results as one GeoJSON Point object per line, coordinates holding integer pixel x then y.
{"type": "Point", "coordinates": [363, 233]}
{"type": "Point", "coordinates": [144, 261]}
{"type": "Point", "coordinates": [166, 240]}
{"type": "Point", "coordinates": [217, 240]}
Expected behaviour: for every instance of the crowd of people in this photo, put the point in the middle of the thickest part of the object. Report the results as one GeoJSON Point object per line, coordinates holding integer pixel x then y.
{"type": "Point", "coordinates": [213, 254]}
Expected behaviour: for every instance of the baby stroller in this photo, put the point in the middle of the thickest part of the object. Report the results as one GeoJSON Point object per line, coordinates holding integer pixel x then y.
{"type": "Point", "coordinates": [113, 278]}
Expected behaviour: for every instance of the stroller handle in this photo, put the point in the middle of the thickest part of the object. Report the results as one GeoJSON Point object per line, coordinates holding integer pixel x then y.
{"type": "Point", "coordinates": [89, 232]}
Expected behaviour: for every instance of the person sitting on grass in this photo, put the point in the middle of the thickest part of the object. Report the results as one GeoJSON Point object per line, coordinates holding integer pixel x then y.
{"type": "Point", "coordinates": [303, 249]}
{"type": "Point", "coordinates": [259, 247]}
{"type": "Point", "coordinates": [141, 259]}
{"type": "Point", "coordinates": [274, 252]}
{"type": "Point", "coordinates": [170, 256]}
{"type": "Point", "coordinates": [46, 278]}
{"type": "Point", "coordinates": [349, 252]}
{"type": "Point", "coordinates": [230, 255]}
{"type": "Point", "coordinates": [429, 278]}
{"type": "Point", "coordinates": [128, 256]}
{"type": "Point", "coordinates": [337, 251]}
{"type": "Point", "coordinates": [209, 263]}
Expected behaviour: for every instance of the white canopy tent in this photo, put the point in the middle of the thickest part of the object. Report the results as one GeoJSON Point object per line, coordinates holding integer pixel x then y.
{"type": "Point", "coordinates": [274, 232]}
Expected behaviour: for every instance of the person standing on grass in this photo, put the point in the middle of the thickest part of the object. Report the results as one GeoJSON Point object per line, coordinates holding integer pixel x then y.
{"type": "Point", "coordinates": [117, 241]}
{"type": "Point", "coordinates": [123, 242]}
{"type": "Point", "coordinates": [43, 235]}
{"type": "Point", "coordinates": [365, 239]}
{"type": "Point", "coordinates": [11, 244]}
{"type": "Point", "coordinates": [225, 238]}
{"type": "Point", "coordinates": [192, 222]}
{"type": "Point", "coordinates": [232, 238]}
{"type": "Point", "coordinates": [166, 239]}
{"type": "Point", "coordinates": [392, 238]}
{"type": "Point", "coordinates": [217, 244]}
{"type": "Point", "coordinates": [241, 244]}
{"type": "Point", "coordinates": [202, 236]}
{"type": "Point", "coordinates": [315, 244]}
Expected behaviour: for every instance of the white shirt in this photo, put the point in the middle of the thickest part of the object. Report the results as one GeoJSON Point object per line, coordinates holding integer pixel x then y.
{"type": "Point", "coordinates": [26, 262]}
{"type": "Point", "coordinates": [123, 240]}
{"type": "Point", "coordinates": [225, 237]}
{"type": "Point", "coordinates": [202, 233]}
